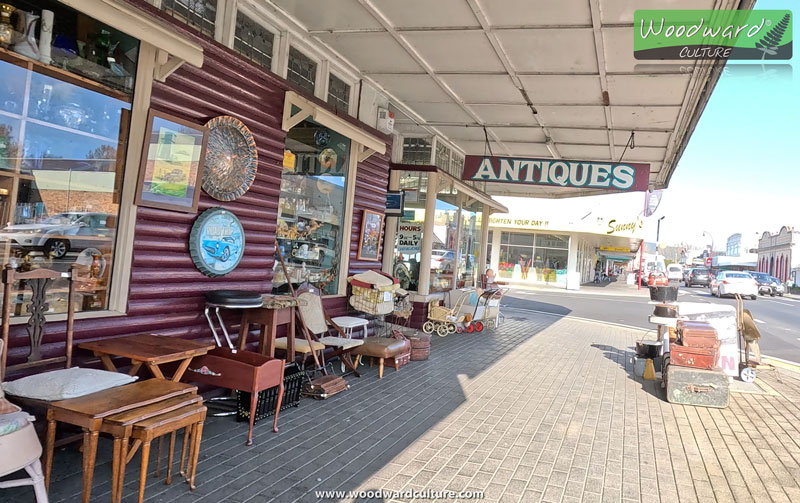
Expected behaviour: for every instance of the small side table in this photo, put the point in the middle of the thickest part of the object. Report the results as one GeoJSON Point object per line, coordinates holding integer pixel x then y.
{"type": "Point", "coordinates": [348, 323]}
{"type": "Point", "coordinates": [276, 310]}
{"type": "Point", "coordinates": [149, 350]}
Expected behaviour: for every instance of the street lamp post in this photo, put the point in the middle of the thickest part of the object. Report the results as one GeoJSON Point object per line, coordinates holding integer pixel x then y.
{"type": "Point", "coordinates": [710, 255]}
{"type": "Point", "coordinates": [658, 228]}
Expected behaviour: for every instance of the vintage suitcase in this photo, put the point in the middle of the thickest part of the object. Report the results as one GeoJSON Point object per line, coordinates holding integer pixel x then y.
{"type": "Point", "coordinates": [699, 358]}
{"type": "Point", "coordinates": [697, 334]}
{"type": "Point", "coordinates": [704, 388]}
{"type": "Point", "coordinates": [325, 387]}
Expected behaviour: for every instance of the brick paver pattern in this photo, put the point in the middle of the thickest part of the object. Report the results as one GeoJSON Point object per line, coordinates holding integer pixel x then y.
{"type": "Point", "coordinates": [540, 409]}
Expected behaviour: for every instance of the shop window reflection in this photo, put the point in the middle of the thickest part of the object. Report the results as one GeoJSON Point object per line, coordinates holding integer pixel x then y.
{"type": "Point", "coordinates": [311, 204]}
{"type": "Point", "coordinates": [408, 243]}
{"type": "Point", "coordinates": [444, 259]}
{"type": "Point", "coordinates": [63, 131]}
{"type": "Point", "coordinates": [469, 247]}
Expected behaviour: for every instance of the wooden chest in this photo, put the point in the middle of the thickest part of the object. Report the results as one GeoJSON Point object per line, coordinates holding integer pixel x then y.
{"type": "Point", "coordinates": [699, 358]}
{"type": "Point", "coordinates": [697, 334]}
{"type": "Point", "coordinates": [704, 388]}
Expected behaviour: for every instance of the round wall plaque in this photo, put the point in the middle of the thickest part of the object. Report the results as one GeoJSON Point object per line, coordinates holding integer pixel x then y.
{"type": "Point", "coordinates": [231, 158]}
{"type": "Point", "coordinates": [216, 242]}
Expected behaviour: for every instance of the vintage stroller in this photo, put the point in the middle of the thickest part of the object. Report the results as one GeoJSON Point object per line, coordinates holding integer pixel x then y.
{"type": "Point", "coordinates": [445, 320]}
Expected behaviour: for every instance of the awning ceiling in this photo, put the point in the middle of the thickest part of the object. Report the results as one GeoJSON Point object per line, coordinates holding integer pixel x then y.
{"type": "Point", "coordinates": [546, 79]}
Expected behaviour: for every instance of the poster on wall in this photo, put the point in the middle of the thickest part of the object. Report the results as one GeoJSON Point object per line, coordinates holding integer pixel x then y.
{"type": "Point", "coordinates": [369, 242]}
{"type": "Point", "coordinates": [409, 238]}
{"type": "Point", "coordinates": [216, 242]}
{"type": "Point", "coordinates": [172, 162]}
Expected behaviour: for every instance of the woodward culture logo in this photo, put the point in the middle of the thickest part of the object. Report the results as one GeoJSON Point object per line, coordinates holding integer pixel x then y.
{"type": "Point", "coordinates": [712, 34]}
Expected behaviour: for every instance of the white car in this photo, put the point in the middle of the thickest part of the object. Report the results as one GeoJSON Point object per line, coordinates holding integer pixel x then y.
{"type": "Point", "coordinates": [675, 272]}
{"type": "Point", "coordinates": [733, 282]}
{"type": "Point", "coordinates": [58, 234]}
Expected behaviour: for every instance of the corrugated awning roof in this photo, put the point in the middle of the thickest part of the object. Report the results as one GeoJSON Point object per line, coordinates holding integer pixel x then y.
{"type": "Point", "coordinates": [546, 79]}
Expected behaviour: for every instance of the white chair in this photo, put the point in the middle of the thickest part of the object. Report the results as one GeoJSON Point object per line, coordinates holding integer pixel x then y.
{"type": "Point", "coordinates": [21, 450]}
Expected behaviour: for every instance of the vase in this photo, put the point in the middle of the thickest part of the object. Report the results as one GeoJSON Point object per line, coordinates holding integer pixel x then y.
{"type": "Point", "coordinates": [6, 30]}
{"type": "Point", "coordinates": [46, 37]}
{"type": "Point", "coordinates": [26, 43]}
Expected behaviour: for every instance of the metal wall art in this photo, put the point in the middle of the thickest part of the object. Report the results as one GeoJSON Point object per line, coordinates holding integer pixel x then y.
{"type": "Point", "coordinates": [216, 242]}
{"type": "Point", "coordinates": [231, 159]}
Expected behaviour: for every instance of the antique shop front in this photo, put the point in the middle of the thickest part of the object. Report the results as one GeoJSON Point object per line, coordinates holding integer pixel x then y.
{"type": "Point", "coordinates": [167, 160]}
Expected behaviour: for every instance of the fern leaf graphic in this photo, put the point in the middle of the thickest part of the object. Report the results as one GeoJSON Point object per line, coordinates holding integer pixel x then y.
{"type": "Point", "coordinates": [772, 39]}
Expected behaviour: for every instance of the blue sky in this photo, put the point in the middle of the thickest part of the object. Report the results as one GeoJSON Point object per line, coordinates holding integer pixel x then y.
{"type": "Point", "coordinates": [739, 172]}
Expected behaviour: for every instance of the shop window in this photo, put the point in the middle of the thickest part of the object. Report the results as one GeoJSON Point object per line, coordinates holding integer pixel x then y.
{"type": "Point", "coordinates": [444, 259]}
{"type": "Point", "coordinates": [64, 120]}
{"type": "Point", "coordinates": [253, 41]}
{"type": "Point", "coordinates": [470, 245]}
{"type": "Point", "coordinates": [302, 71]}
{"type": "Point", "coordinates": [442, 160]}
{"type": "Point", "coordinates": [338, 94]}
{"type": "Point", "coordinates": [408, 244]}
{"type": "Point", "coordinates": [488, 258]}
{"type": "Point", "coordinates": [534, 257]}
{"type": "Point", "coordinates": [311, 206]}
{"type": "Point", "coordinates": [199, 14]}
{"type": "Point", "coordinates": [416, 151]}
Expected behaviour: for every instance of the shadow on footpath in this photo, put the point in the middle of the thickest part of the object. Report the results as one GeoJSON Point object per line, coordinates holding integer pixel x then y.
{"type": "Point", "coordinates": [624, 358]}
{"type": "Point", "coordinates": [333, 444]}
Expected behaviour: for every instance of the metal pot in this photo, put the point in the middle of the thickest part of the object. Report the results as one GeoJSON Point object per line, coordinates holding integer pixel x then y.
{"type": "Point", "coordinates": [648, 349]}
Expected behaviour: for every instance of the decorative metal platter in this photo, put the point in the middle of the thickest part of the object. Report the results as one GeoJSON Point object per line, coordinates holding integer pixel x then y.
{"type": "Point", "coordinates": [231, 158]}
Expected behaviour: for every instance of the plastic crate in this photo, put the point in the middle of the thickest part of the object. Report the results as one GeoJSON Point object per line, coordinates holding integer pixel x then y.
{"type": "Point", "coordinates": [265, 406]}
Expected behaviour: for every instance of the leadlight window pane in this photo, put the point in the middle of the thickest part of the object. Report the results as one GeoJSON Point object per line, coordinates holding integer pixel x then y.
{"type": "Point", "coordinates": [443, 157]}
{"type": "Point", "coordinates": [302, 70]}
{"type": "Point", "coordinates": [253, 41]}
{"type": "Point", "coordinates": [416, 151]}
{"type": "Point", "coordinates": [199, 14]}
{"type": "Point", "coordinates": [338, 94]}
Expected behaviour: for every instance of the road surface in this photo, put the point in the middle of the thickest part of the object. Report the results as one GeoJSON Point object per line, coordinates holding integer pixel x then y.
{"type": "Point", "coordinates": [777, 318]}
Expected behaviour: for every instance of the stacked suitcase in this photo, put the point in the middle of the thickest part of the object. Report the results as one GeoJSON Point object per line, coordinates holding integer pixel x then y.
{"type": "Point", "coordinates": [693, 376]}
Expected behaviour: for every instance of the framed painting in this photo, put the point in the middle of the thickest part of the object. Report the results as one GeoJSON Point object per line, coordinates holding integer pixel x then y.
{"type": "Point", "coordinates": [369, 241]}
{"type": "Point", "coordinates": [172, 163]}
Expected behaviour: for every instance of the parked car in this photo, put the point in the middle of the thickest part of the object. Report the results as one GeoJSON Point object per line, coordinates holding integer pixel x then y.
{"type": "Point", "coordinates": [686, 272]}
{"type": "Point", "coordinates": [779, 288]}
{"type": "Point", "coordinates": [733, 282]}
{"type": "Point", "coordinates": [674, 272]}
{"type": "Point", "coordinates": [442, 259]}
{"type": "Point", "coordinates": [58, 234]}
{"type": "Point", "coordinates": [767, 285]}
{"type": "Point", "coordinates": [698, 276]}
{"type": "Point", "coordinates": [713, 284]}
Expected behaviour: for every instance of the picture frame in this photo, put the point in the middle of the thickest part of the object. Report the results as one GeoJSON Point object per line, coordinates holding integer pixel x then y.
{"type": "Point", "coordinates": [171, 168]}
{"type": "Point", "coordinates": [371, 236]}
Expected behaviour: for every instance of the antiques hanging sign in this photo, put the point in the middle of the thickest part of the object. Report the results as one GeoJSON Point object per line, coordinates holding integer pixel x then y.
{"type": "Point", "coordinates": [606, 176]}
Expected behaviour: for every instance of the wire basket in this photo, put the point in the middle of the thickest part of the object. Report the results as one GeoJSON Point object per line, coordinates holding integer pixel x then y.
{"type": "Point", "coordinates": [371, 301]}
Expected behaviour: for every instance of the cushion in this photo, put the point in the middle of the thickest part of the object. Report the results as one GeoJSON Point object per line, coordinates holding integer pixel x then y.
{"type": "Point", "coordinates": [9, 423]}
{"type": "Point", "coordinates": [234, 298]}
{"type": "Point", "coordinates": [300, 345]}
{"type": "Point", "coordinates": [67, 383]}
{"type": "Point", "coordinates": [381, 347]}
{"type": "Point", "coordinates": [341, 341]}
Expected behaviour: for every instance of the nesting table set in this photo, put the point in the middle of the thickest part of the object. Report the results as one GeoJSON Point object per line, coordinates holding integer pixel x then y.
{"type": "Point", "coordinates": [138, 412]}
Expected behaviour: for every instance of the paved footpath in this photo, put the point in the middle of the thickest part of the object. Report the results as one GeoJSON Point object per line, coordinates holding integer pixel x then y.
{"type": "Point", "coordinates": [542, 409]}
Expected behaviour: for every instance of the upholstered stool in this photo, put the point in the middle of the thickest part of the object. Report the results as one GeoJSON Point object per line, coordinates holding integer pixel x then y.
{"type": "Point", "coordinates": [381, 348]}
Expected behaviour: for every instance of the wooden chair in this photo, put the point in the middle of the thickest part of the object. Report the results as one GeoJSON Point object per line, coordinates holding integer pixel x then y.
{"type": "Point", "coordinates": [38, 280]}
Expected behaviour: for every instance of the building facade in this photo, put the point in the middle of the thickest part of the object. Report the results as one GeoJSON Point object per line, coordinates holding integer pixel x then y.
{"type": "Point", "coordinates": [778, 254]}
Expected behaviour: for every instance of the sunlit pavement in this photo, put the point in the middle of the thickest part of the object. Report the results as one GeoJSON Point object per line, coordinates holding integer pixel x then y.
{"type": "Point", "coordinates": [543, 408]}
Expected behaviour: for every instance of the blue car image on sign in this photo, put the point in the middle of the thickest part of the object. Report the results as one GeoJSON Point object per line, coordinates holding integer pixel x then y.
{"type": "Point", "coordinates": [216, 242]}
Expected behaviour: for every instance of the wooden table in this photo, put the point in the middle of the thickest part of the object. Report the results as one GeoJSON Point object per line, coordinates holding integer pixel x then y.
{"type": "Point", "coordinates": [148, 350]}
{"type": "Point", "coordinates": [89, 411]}
{"type": "Point", "coordinates": [269, 317]}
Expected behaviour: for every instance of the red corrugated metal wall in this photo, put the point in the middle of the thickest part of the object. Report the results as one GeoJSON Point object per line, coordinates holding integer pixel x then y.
{"type": "Point", "coordinates": [166, 292]}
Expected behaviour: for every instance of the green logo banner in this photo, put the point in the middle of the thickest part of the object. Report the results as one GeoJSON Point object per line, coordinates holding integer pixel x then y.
{"type": "Point", "coordinates": [712, 34]}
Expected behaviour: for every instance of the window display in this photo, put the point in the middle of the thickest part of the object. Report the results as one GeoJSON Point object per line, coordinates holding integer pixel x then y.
{"type": "Point", "coordinates": [408, 245]}
{"type": "Point", "coordinates": [64, 118]}
{"type": "Point", "coordinates": [311, 205]}
{"type": "Point", "coordinates": [445, 229]}
{"type": "Point", "coordinates": [470, 245]}
{"type": "Point", "coordinates": [533, 257]}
